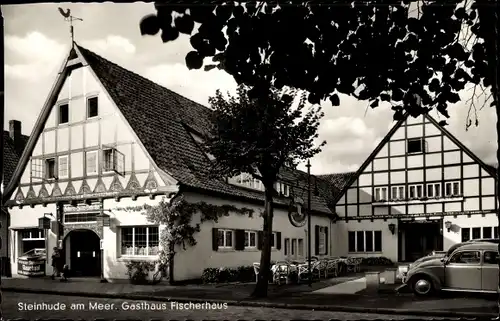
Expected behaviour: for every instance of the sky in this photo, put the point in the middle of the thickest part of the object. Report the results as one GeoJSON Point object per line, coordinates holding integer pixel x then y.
{"type": "Point", "coordinates": [37, 40]}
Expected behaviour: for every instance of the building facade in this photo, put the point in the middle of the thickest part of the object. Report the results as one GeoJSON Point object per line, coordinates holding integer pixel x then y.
{"type": "Point", "coordinates": [109, 141]}
{"type": "Point", "coordinates": [420, 190]}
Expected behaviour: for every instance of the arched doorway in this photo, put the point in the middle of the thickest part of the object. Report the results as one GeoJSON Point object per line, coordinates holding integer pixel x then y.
{"type": "Point", "coordinates": [82, 250]}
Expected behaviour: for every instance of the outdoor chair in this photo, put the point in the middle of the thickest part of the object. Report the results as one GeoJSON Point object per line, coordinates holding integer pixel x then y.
{"type": "Point", "coordinates": [322, 267]}
{"type": "Point", "coordinates": [353, 264]}
{"type": "Point", "coordinates": [256, 270]}
{"type": "Point", "coordinates": [281, 272]}
{"type": "Point", "coordinates": [331, 268]}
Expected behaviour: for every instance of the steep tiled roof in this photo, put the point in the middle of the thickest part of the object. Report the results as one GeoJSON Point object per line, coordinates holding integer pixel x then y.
{"type": "Point", "coordinates": [11, 156]}
{"type": "Point", "coordinates": [162, 118]}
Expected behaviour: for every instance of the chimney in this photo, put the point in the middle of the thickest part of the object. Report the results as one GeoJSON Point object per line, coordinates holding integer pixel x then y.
{"type": "Point", "coordinates": [15, 134]}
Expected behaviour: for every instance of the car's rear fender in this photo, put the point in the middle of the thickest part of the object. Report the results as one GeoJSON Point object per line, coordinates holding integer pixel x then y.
{"type": "Point", "coordinates": [433, 278]}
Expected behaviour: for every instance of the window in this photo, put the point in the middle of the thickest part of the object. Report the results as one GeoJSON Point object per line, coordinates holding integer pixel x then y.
{"type": "Point", "coordinates": [495, 232]}
{"type": "Point", "coordinates": [452, 189]}
{"type": "Point", "coordinates": [415, 191]}
{"type": "Point", "coordinates": [32, 239]}
{"type": "Point", "coordinates": [63, 166]}
{"type": "Point", "coordinates": [415, 145]}
{"type": "Point", "coordinates": [50, 168]}
{"type": "Point", "coordinates": [92, 107]}
{"type": "Point", "coordinates": [140, 241]}
{"type": "Point", "coordinates": [476, 233]}
{"type": "Point", "coordinates": [80, 217]}
{"type": "Point", "coordinates": [282, 188]}
{"type": "Point", "coordinates": [246, 180]}
{"type": "Point", "coordinates": [322, 240]}
{"type": "Point", "coordinates": [490, 257]}
{"type": "Point", "coordinates": [380, 194]}
{"type": "Point", "coordinates": [225, 238]}
{"type": "Point", "coordinates": [434, 190]}
{"type": "Point", "coordinates": [364, 241]}
{"type": "Point", "coordinates": [466, 257]}
{"type": "Point", "coordinates": [36, 168]}
{"type": "Point", "coordinates": [287, 246]}
{"type": "Point", "coordinates": [465, 234]}
{"type": "Point", "coordinates": [91, 162]}
{"type": "Point", "coordinates": [487, 232]}
{"type": "Point", "coordinates": [301, 247]}
{"type": "Point", "coordinates": [273, 240]}
{"type": "Point", "coordinates": [63, 113]}
{"type": "Point", "coordinates": [397, 193]}
{"type": "Point", "coordinates": [114, 161]}
{"type": "Point", "coordinates": [294, 246]}
{"type": "Point", "coordinates": [250, 239]}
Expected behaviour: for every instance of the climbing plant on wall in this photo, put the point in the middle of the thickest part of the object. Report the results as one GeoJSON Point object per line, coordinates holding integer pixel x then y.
{"type": "Point", "coordinates": [176, 216]}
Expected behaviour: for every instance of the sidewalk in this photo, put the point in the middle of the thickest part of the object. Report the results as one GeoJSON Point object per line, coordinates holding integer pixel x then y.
{"type": "Point", "coordinates": [285, 296]}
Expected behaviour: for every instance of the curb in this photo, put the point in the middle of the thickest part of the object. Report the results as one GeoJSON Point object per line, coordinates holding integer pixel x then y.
{"type": "Point", "coordinates": [276, 305]}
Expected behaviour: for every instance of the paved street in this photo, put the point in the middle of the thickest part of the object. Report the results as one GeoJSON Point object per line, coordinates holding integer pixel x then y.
{"type": "Point", "coordinates": [20, 305]}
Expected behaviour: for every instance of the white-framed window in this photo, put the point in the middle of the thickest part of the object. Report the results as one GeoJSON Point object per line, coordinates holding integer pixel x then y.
{"type": "Point", "coordinates": [452, 189]}
{"type": "Point", "coordinates": [286, 249]}
{"type": "Point", "coordinates": [140, 240]}
{"type": "Point", "coordinates": [246, 180]}
{"type": "Point", "coordinates": [322, 240]}
{"type": "Point", "coordinates": [282, 188]}
{"type": "Point", "coordinates": [226, 239]}
{"type": "Point", "coordinates": [92, 107]}
{"type": "Point", "coordinates": [380, 194]}
{"type": "Point", "coordinates": [398, 193]}
{"type": "Point", "coordinates": [50, 168]}
{"type": "Point", "coordinates": [36, 168]}
{"type": "Point", "coordinates": [113, 161]}
{"type": "Point", "coordinates": [415, 191]}
{"type": "Point", "coordinates": [416, 145]}
{"type": "Point", "coordinates": [33, 234]}
{"type": "Point", "coordinates": [63, 113]}
{"type": "Point", "coordinates": [434, 190]}
{"type": "Point", "coordinates": [91, 162]}
{"type": "Point", "coordinates": [250, 239]}
{"type": "Point", "coordinates": [62, 166]}
{"type": "Point", "coordinates": [300, 250]}
{"type": "Point", "coordinates": [364, 241]}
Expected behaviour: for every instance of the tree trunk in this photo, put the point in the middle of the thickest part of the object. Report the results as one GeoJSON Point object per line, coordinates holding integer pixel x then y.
{"type": "Point", "coordinates": [171, 254]}
{"type": "Point", "coordinates": [260, 290]}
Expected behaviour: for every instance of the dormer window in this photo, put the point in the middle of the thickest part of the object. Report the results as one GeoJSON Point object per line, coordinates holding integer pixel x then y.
{"type": "Point", "coordinates": [416, 145]}
{"type": "Point", "coordinates": [282, 188]}
{"type": "Point", "coordinates": [246, 180]}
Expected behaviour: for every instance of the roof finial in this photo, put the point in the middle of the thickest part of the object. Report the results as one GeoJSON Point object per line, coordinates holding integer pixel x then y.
{"type": "Point", "coordinates": [68, 17]}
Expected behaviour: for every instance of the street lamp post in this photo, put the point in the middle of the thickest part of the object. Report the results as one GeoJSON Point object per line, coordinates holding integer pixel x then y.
{"type": "Point", "coordinates": [309, 222]}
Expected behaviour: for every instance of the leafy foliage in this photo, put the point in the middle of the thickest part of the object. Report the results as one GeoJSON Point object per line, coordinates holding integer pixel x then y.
{"type": "Point", "coordinates": [260, 136]}
{"type": "Point", "coordinates": [177, 216]}
{"type": "Point", "coordinates": [370, 51]}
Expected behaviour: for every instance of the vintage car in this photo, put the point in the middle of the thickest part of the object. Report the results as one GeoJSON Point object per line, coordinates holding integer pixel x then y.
{"type": "Point", "coordinates": [471, 267]}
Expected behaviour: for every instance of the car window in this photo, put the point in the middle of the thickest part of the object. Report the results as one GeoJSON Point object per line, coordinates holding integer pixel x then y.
{"type": "Point", "coordinates": [490, 257]}
{"type": "Point", "coordinates": [467, 257]}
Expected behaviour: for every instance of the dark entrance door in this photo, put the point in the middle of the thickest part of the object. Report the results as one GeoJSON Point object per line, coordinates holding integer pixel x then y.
{"type": "Point", "coordinates": [421, 237]}
{"type": "Point", "coordinates": [85, 253]}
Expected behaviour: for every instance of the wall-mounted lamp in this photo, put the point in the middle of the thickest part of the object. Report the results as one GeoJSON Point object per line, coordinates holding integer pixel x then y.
{"type": "Point", "coordinates": [44, 222]}
{"type": "Point", "coordinates": [392, 228]}
{"type": "Point", "coordinates": [447, 224]}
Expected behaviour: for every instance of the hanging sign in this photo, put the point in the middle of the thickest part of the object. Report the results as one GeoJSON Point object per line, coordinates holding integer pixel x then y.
{"type": "Point", "coordinates": [297, 213]}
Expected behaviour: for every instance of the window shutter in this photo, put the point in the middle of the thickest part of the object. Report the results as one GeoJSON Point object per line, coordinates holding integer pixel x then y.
{"type": "Point", "coordinates": [215, 239]}
{"type": "Point", "coordinates": [278, 241]}
{"type": "Point", "coordinates": [259, 240]}
{"type": "Point", "coordinates": [326, 241]}
{"type": "Point", "coordinates": [316, 239]}
{"type": "Point", "coordinates": [239, 240]}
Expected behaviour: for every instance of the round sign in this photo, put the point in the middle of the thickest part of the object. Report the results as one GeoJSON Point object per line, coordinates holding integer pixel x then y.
{"type": "Point", "coordinates": [297, 216]}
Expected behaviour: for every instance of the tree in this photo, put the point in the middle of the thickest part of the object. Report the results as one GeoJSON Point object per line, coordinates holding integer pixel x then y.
{"type": "Point", "coordinates": [259, 137]}
{"type": "Point", "coordinates": [374, 52]}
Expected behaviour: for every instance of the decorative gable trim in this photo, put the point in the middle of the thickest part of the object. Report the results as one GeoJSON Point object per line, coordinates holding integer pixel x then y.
{"type": "Point", "coordinates": [31, 193]}
{"type": "Point", "coordinates": [85, 188]}
{"type": "Point", "coordinates": [99, 186]}
{"type": "Point", "coordinates": [56, 191]}
{"type": "Point", "coordinates": [43, 192]}
{"type": "Point", "coordinates": [116, 186]}
{"type": "Point", "coordinates": [19, 195]}
{"type": "Point", "coordinates": [151, 183]}
{"type": "Point", "coordinates": [70, 190]}
{"type": "Point", "coordinates": [133, 184]}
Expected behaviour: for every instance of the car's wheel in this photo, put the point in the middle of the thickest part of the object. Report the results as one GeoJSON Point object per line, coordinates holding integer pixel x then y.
{"type": "Point", "coordinates": [422, 285]}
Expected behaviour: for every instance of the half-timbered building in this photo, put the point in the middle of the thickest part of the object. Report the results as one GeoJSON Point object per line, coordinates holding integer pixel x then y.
{"type": "Point", "coordinates": [420, 190]}
{"type": "Point", "coordinates": [108, 141]}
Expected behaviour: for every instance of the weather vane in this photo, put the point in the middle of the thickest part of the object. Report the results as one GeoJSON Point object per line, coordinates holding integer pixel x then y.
{"type": "Point", "coordinates": [68, 17]}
